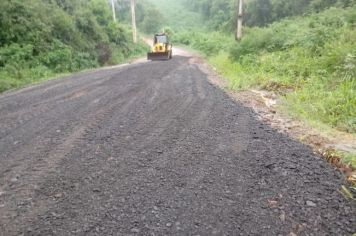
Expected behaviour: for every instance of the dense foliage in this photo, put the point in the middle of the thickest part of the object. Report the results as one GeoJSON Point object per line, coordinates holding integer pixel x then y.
{"type": "Point", "coordinates": [148, 18]}
{"type": "Point", "coordinates": [39, 38]}
{"type": "Point", "coordinates": [221, 14]}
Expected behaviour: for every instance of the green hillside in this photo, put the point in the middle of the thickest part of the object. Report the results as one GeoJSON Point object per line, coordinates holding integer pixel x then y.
{"type": "Point", "coordinates": [42, 38]}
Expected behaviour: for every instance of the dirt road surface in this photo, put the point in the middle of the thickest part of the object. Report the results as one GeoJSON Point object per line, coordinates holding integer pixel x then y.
{"type": "Point", "coordinates": [154, 149]}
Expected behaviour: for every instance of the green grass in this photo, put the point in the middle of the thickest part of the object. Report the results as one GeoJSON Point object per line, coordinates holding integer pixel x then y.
{"type": "Point", "coordinates": [23, 77]}
{"type": "Point", "coordinates": [12, 84]}
{"type": "Point", "coordinates": [13, 76]}
{"type": "Point", "coordinates": [349, 158]}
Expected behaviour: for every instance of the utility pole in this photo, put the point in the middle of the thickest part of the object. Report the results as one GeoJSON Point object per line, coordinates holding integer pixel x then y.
{"type": "Point", "coordinates": [239, 20]}
{"type": "Point", "coordinates": [113, 10]}
{"type": "Point", "coordinates": [133, 19]}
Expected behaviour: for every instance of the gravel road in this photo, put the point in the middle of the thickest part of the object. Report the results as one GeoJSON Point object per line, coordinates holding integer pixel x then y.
{"type": "Point", "coordinates": [154, 149]}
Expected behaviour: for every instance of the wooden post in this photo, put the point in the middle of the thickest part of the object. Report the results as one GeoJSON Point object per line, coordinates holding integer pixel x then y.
{"type": "Point", "coordinates": [239, 20]}
{"type": "Point", "coordinates": [133, 19]}
{"type": "Point", "coordinates": [113, 10]}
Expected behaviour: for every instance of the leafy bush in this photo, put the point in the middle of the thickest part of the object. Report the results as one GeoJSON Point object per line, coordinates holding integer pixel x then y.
{"type": "Point", "coordinates": [15, 54]}
{"type": "Point", "coordinates": [58, 58]}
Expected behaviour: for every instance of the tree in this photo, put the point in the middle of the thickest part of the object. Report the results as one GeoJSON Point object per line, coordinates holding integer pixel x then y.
{"type": "Point", "coordinates": [258, 12]}
{"type": "Point", "coordinates": [153, 21]}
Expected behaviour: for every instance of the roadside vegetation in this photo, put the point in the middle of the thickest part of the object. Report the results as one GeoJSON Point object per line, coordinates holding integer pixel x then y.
{"type": "Point", "coordinates": [42, 38]}
{"type": "Point", "coordinates": [305, 51]}
{"type": "Point", "coordinates": [311, 61]}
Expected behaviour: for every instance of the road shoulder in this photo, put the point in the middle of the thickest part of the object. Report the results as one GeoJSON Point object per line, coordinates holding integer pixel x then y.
{"type": "Point", "coordinates": [266, 104]}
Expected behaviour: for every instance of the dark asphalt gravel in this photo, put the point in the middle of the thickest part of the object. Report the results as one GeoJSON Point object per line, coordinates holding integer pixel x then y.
{"type": "Point", "coordinates": [155, 149]}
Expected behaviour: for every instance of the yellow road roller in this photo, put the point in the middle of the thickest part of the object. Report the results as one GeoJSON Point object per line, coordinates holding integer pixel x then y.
{"type": "Point", "coordinates": [161, 49]}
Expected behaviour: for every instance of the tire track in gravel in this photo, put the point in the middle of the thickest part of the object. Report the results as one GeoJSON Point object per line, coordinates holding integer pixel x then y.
{"type": "Point", "coordinates": [154, 149]}
{"type": "Point", "coordinates": [45, 102]}
{"type": "Point", "coordinates": [33, 170]}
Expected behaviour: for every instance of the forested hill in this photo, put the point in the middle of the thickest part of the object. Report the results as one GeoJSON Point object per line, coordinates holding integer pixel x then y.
{"type": "Point", "coordinates": [40, 38]}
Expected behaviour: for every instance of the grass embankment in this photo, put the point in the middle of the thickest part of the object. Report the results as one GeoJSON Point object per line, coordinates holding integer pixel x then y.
{"type": "Point", "coordinates": [76, 35]}
{"type": "Point", "coordinates": [309, 61]}
{"type": "Point", "coordinates": [12, 77]}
